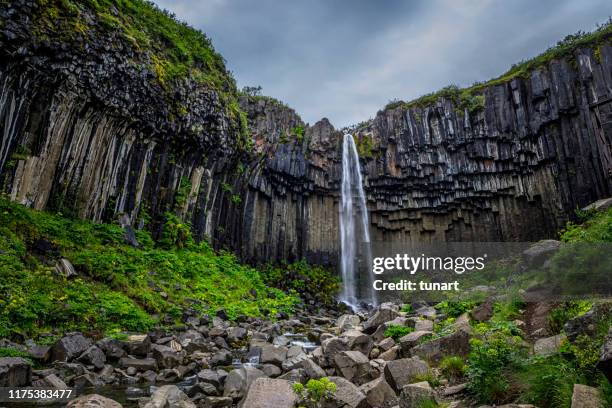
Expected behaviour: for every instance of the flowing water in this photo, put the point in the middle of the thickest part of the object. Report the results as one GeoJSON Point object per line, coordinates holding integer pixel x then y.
{"type": "Point", "coordinates": [355, 246]}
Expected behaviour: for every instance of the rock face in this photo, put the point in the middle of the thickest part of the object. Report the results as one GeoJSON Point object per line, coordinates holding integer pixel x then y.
{"type": "Point", "coordinates": [86, 131]}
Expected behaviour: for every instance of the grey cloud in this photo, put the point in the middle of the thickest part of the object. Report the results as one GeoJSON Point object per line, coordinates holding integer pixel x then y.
{"type": "Point", "coordinates": [346, 59]}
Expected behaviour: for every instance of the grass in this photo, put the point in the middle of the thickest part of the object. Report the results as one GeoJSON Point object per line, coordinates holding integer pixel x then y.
{"type": "Point", "coordinates": [472, 98]}
{"type": "Point", "coordinates": [168, 48]}
{"type": "Point", "coordinates": [119, 288]}
{"type": "Point", "coordinates": [396, 332]}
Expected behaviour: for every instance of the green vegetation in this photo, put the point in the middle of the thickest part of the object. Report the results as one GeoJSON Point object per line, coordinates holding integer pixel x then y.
{"type": "Point", "coordinates": [365, 145]}
{"type": "Point", "coordinates": [311, 282]}
{"type": "Point", "coordinates": [315, 393]}
{"type": "Point", "coordinates": [566, 311]}
{"type": "Point", "coordinates": [396, 332]}
{"type": "Point", "coordinates": [472, 99]}
{"type": "Point", "coordinates": [119, 287]}
{"type": "Point", "coordinates": [455, 309]}
{"type": "Point", "coordinates": [452, 367]}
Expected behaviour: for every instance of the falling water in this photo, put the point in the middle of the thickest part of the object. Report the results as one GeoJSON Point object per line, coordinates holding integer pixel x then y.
{"type": "Point", "coordinates": [354, 236]}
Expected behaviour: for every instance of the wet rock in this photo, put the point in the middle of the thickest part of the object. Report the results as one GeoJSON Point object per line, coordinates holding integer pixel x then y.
{"type": "Point", "coordinates": [414, 395]}
{"type": "Point", "coordinates": [586, 397]}
{"type": "Point", "coordinates": [14, 372]}
{"type": "Point", "coordinates": [399, 373]}
{"type": "Point", "coordinates": [348, 322]}
{"type": "Point", "coordinates": [93, 356]}
{"type": "Point", "coordinates": [140, 364]}
{"type": "Point", "coordinates": [93, 401]}
{"type": "Point", "coordinates": [69, 347]}
{"type": "Point", "coordinates": [267, 393]}
{"type": "Point", "coordinates": [379, 393]}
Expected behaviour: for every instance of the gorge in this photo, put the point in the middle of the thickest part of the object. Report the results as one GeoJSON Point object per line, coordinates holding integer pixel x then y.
{"type": "Point", "coordinates": [101, 132]}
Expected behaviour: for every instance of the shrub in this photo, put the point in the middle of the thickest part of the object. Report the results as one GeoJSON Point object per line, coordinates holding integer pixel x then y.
{"type": "Point", "coordinates": [568, 310]}
{"type": "Point", "coordinates": [453, 367]}
{"type": "Point", "coordinates": [396, 332]}
{"type": "Point", "coordinates": [487, 362]}
{"type": "Point", "coordinates": [315, 393]}
{"type": "Point", "coordinates": [455, 309]}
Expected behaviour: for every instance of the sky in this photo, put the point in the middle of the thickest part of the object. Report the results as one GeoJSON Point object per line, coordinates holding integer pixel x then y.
{"type": "Point", "coordinates": [346, 59]}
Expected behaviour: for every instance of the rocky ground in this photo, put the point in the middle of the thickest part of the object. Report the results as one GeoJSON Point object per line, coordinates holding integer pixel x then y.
{"type": "Point", "coordinates": [212, 362]}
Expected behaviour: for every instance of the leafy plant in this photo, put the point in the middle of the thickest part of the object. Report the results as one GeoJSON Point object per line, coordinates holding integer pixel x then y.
{"type": "Point", "coordinates": [315, 393]}
{"type": "Point", "coordinates": [568, 310]}
{"type": "Point", "coordinates": [453, 367]}
{"type": "Point", "coordinates": [456, 308]}
{"type": "Point", "coordinates": [396, 332]}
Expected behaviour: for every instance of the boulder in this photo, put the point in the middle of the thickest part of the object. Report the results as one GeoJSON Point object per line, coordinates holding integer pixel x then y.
{"type": "Point", "coordinates": [140, 364]}
{"type": "Point", "coordinates": [222, 358]}
{"type": "Point", "coordinates": [332, 346]}
{"type": "Point", "coordinates": [217, 402]}
{"type": "Point", "coordinates": [354, 366]}
{"type": "Point", "coordinates": [167, 357]}
{"type": "Point", "coordinates": [411, 340]}
{"type": "Point", "coordinates": [214, 377]}
{"type": "Point", "coordinates": [273, 354]}
{"type": "Point", "coordinates": [386, 344]}
{"type": "Point", "coordinates": [53, 381]}
{"type": "Point", "coordinates": [236, 334]}
{"type": "Point", "coordinates": [70, 347]}
{"type": "Point", "coordinates": [113, 349]}
{"type": "Point", "coordinates": [548, 345]}
{"type": "Point", "coordinates": [538, 253]}
{"type": "Point", "coordinates": [605, 357]}
{"type": "Point", "coordinates": [270, 393]}
{"type": "Point", "coordinates": [483, 312]}
{"type": "Point", "coordinates": [454, 344]}
{"type": "Point", "coordinates": [588, 322]}
{"type": "Point", "coordinates": [348, 321]}
{"type": "Point", "coordinates": [586, 397]}
{"type": "Point", "coordinates": [399, 373]}
{"type": "Point", "coordinates": [93, 401]}
{"type": "Point", "coordinates": [423, 325]}
{"type": "Point", "coordinates": [138, 344]}
{"type": "Point", "coordinates": [14, 372]}
{"type": "Point", "coordinates": [415, 395]}
{"type": "Point", "coordinates": [93, 356]}
{"type": "Point", "coordinates": [39, 353]}
{"type": "Point", "coordinates": [379, 393]}
{"type": "Point", "coordinates": [238, 381]}
{"type": "Point", "coordinates": [169, 396]}
{"type": "Point", "coordinates": [347, 395]}
{"type": "Point", "coordinates": [358, 341]}
{"type": "Point", "coordinates": [390, 354]}
{"type": "Point", "coordinates": [381, 316]}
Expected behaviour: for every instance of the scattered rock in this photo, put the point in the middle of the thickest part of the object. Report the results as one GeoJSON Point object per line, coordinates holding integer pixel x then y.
{"type": "Point", "coordinates": [70, 347]}
{"type": "Point", "coordinates": [379, 393]}
{"type": "Point", "coordinates": [381, 316]}
{"type": "Point", "coordinates": [169, 396]}
{"type": "Point", "coordinates": [483, 312]}
{"type": "Point", "coordinates": [347, 395]}
{"type": "Point", "coordinates": [238, 381]}
{"type": "Point", "coordinates": [414, 395]}
{"type": "Point", "coordinates": [93, 401]}
{"type": "Point", "coordinates": [454, 344]}
{"type": "Point", "coordinates": [605, 357]}
{"type": "Point", "coordinates": [14, 372]}
{"type": "Point", "coordinates": [141, 364]}
{"type": "Point", "coordinates": [538, 253]}
{"type": "Point", "coordinates": [93, 356]}
{"type": "Point", "coordinates": [354, 366]}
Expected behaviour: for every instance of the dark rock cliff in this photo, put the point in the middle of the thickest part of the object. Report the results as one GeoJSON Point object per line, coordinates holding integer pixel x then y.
{"type": "Point", "coordinates": [85, 129]}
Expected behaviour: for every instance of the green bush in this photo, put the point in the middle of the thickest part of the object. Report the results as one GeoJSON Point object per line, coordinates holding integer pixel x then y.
{"type": "Point", "coordinates": [568, 310]}
{"type": "Point", "coordinates": [308, 281]}
{"type": "Point", "coordinates": [488, 360]}
{"type": "Point", "coordinates": [453, 367]}
{"type": "Point", "coordinates": [315, 393]}
{"type": "Point", "coordinates": [396, 332]}
{"type": "Point", "coordinates": [455, 308]}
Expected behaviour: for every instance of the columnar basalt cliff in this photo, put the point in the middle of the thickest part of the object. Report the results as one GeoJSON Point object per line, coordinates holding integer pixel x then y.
{"type": "Point", "coordinates": [90, 127]}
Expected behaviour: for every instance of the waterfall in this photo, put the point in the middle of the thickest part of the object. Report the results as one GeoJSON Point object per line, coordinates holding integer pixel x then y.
{"type": "Point", "coordinates": [354, 235]}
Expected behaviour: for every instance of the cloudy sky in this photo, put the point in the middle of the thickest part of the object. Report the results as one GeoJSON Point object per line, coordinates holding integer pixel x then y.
{"type": "Point", "coordinates": [345, 59]}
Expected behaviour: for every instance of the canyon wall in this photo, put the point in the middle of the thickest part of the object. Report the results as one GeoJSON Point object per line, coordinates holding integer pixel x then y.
{"type": "Point", "coordinates": [86, 130]}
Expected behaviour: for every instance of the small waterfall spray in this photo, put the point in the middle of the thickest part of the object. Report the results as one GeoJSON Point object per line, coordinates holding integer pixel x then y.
{"type": "Point", "coordinates": [354, 236]}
